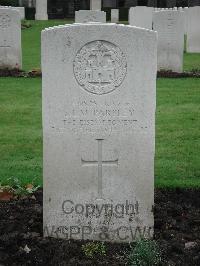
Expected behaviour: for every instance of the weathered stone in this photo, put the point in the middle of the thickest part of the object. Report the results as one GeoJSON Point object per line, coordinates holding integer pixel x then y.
{"type": "Point", "coordinates": [99, 97]}
{"type": "Point", "coordinates": [95, 4]}
{"type": "Point", "coordinates": [141, 16]}
{"type": "Point", "coordinates": [19, 9]}
{"type": "Point", "coordinates": [115, 15]}
{"type": "Point", "coordinates": [170, 28]}
{"type": "Point", "coordinates": [193, 31]}
{"type": "Point", "coordinates": [41, 10]}
{"type": "Point", "coordinates": [83, 16]}
{"type": "Point", "coordinates": [10, 39]}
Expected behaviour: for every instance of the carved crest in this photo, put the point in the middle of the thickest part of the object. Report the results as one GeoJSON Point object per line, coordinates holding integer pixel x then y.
{"type": "Point", "coordinates": [100, 67]}
{"type": "Point", "coordinates": [4, 21]}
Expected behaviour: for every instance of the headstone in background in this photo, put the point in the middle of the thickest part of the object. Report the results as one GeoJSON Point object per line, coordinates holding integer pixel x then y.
{"type": "Point", "coordinates": [152, 3]}
{"type": "Point", "coordinates": [115, 15]}
{"type": "Point", "coordinates": [193, 32]}
{"type": "Point", "coordinates": [95, 4]}
{"type": "Point", "coordinates": [192, 3]}
{"type": "Point", "coordinates": [185, 10]}
{"type": "Point", "coordinates": [27, 3]}
{"type": "Point", "coordinates": [41, 10]}
{"type": "Point", "coordinates": [130, 3]}
{"type": "Point", "coordinates": [99, 99]}
{"type": "Point", "coordinates": [170, 3]}
{"type": "Point", "coordinates": [83, 16]}
{"type": "Point", "coordinates": [141, 16]}
{"type": "Point", "coordinates": [19, 9]}
{"type": "Point", "coordinates": [170, 28]}
{"type": "Point", "coordinates": [10, 39]}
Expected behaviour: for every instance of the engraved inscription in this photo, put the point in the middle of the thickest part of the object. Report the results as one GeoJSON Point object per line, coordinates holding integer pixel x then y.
{"type": "Point", "coordinates": [100, 164]}
{"type": "Point", "coordinates": [100, 67]}
{"type": "Point", "coordinates": [4, 44]}
{"type": "Point", "coordinates": [90, 19]}
{"type": "Point", "coordinates": [5, 21]}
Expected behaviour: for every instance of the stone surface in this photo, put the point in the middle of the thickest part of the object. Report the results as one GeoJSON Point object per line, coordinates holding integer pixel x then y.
{"type": "Point", "coordinates": [185, 10]}
{"type": "Point", "coordinates": [10, 39]}
{"type": "Point", "coordinates": [99, 85]}
{"type": "Point", "coordinates": [193, 31]}
{"type": "Point", "coordinates": [170, 28]}
{"type": "Point", "coordinates": [115, 15]}
{"type": "Point", "coordinates": [95, 4]}
{"type": "Point", "coordinates": [41, 10]}
{"type": "Point", "coordinates": [141, 16]}
{"type": "Point", "coordinates": [19, 9]}
{"type": "Point", "coordinates": [83, 16]}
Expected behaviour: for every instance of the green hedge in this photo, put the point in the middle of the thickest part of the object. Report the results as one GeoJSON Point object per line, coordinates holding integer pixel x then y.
{"type": "Point", "coordinates": [9, 3]}
{"type": "Point", "coordinates": [30, 13]}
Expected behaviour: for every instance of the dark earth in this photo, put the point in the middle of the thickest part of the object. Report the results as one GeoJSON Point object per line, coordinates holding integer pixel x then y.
{"type": "Point", "coordinates": [37, 73]}
{"type": "Point", "coordinates": [177, 231]}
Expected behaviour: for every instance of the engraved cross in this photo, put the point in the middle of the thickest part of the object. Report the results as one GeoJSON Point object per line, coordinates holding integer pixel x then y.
{"type": "Point", "coordinates": [100, 162]}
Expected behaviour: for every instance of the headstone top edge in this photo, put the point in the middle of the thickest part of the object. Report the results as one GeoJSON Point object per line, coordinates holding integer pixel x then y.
{"type": "Point", "coordinates": [11, 9]}
{"type": "Point", "coordinates": [96, 24]}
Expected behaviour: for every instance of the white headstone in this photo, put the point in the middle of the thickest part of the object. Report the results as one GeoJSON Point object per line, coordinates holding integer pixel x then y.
{"type": "Point", "coordinates": [193, 32]}
{"type": "Point", "coordinates": [10, 39]}
{"type": "Point", "coordinates": [41, 10]}
{"type": "Point", "coordinates": [185, 10]}
{"type": "Point", "coordinates": [95, 4]}
{"type": "Point", "coordinates": [19, 9]}
{"type": "Point", "coordinates": [83, 16]}
{"type": "Point", "coordinates": [141, 16]}
{"type": "Point", "coordinates": [115, 15]}
{"type": "Point", "coordinates": [170, 28]}
{"type": "Point", "coordinates": [99, 96]}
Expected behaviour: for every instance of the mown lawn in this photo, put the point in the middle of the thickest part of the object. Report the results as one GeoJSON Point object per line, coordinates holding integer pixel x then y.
{"type": "Point", "coordinates": [31, 45]}
{"type": "Point", "coordinates": [177, 161]}
{"type": "Point", "coordinates": [31, 41]}
{"type": "Point", "coordinates": [177, 131]}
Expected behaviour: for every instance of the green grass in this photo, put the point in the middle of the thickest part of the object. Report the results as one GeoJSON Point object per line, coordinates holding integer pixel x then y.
{"type": "Point", "coordinates": [191, 62]}
{"type": "Point", "coordinates": [21, 129]}
{"type": "Point", "coordinates": [31, 45]}
{"type": "Point", "coordinates": [177, 131]}
{"type": "Point", "coordinates": [177, 124]}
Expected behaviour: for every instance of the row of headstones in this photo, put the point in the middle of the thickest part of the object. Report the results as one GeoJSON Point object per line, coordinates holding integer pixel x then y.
{"type": "Point", "coordinates": [10, 38]}
{"type": "Point", "coordinates": [99, 101]}
{"type": "Point", "coordinates": [171, 25]}
{"type": "Point", "coordinates": [99, 87]}
{"type": "Point", "coordinates": [21, 10]}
